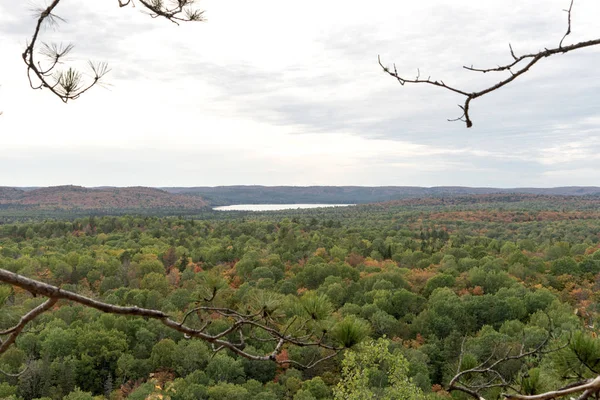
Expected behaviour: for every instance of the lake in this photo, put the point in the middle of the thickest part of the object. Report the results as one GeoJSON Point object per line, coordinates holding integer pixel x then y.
{"type": "Point", "coordinates": [275, 207]}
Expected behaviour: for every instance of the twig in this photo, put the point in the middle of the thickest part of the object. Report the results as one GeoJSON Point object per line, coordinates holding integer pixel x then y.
{"type": "Point", "coordinates": [569, 23]}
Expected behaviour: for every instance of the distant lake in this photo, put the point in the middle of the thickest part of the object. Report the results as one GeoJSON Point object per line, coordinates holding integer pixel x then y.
{"type": "Point", "coordinates": [275, 207]}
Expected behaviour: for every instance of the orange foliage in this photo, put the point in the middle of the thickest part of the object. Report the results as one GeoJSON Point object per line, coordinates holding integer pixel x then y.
{"type": "Point", "coordinates": [418, 277]}
{"type": "Point", "coordinates": [44, 274]}
{"type": "Point", "coordinates": [436, 388]}
{"type": "Point", "coordinates": [369, 262]}
{"type": "Point", "coordinates": [592, 250]}
{"type": "Point", "coordinates": [439, 391]}
{"type": "Point", "coordinates": [283, 356]}
{"type": "Point", "coordinates": [301, 290]}
{"type": "Point", "coordinates": [236, 282]}
{"type": "Point", "coordinates": [230, 273]}
{"type": "Point", "coordinates": [415, 343]}
{"type": "Point", "coordinates": [477, 291]}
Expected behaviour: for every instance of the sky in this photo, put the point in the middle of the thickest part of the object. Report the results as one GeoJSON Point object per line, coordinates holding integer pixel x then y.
{"type": "Point", "coordinates": [272, 92]}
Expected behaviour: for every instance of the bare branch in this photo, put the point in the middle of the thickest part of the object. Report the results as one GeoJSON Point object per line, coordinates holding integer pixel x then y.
{"type": "Point", "coordinates": [529, 61]}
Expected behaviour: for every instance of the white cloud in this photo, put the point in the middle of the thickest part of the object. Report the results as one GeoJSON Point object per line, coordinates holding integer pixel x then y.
{"type": "Point", "coordinates": [275, 92]}
{"type": "Point", "coordinates": [570, 177]}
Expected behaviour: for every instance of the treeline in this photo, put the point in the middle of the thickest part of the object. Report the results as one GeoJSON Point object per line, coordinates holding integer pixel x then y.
{"type": "Point", "coordinates": [226, 195]}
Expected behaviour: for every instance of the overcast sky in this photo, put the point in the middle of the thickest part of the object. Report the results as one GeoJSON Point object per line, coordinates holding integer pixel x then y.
{"type": "Point", "coordinates": [276, 92]}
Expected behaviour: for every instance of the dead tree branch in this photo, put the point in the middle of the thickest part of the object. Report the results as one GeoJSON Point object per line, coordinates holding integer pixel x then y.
{"type": "Point", "coordinates": [241, 324]}
{"type": "Point", "coordinates": [587, 387]}
{"type": "Point", "coordinates": [70, 83]}
{"type": "Point", "coordinates": [519, 66]}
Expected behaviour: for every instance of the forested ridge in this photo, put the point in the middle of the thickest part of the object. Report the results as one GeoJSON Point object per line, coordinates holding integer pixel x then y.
{"type": "Point", "coordinates": [71, 201]}
{"type": "Point", "coordinates": [227, 195]}
{"type": "Point", "coordinates": [431, 287]}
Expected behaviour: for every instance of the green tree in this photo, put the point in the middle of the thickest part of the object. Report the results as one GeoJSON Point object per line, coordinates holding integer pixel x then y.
{"type": "Point", "coordinates": [223, 368]}
{"type": "Point", "coordinates": [79, 395]}
{"type": "Point", "coordinates": [371, 371]}
{"type": "Point", "coordinates": [227, 391]}
{"type": "Point", "coordinates": [156, 281]}
{"type": "Point", "coordinates": [564, 265]}
{"type": "Point", "coordinates": [164, 354]}
{"type": "Point", "coordinates": [7, 391]}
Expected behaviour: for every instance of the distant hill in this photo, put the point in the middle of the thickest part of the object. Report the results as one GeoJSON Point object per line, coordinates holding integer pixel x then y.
{"type": "Point", "coordinates": [67, 198]}
{"type": "Point", "coordinates": [111, 200]}
{"type": "Point", "coordinates": [500, 201]}
{"type": "Point", "coordinates": [227, 195]}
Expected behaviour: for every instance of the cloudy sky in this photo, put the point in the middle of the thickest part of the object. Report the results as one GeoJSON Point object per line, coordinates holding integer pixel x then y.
{"type": "Point", "coordinates": [278, 92]}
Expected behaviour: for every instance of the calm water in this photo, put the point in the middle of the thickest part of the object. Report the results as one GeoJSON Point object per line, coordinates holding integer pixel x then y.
{"type": "Point", "coordinates": [274, 207]}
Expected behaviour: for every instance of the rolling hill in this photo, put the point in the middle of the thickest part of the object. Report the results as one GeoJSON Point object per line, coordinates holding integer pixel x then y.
{"type": "Point", "coordinates": [227, 195]}
{"type": "Point", "coordinates": [79, 198]}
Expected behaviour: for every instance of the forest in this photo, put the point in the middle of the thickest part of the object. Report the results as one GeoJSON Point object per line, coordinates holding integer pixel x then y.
{"type": "Point", "coordinates": [227, 195]}
{"type": "Point", "coordinates": [413, 299]}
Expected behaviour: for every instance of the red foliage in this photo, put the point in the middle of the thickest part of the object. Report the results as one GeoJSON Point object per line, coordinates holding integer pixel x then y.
{"type": "Point", "coordinates": [236, 282]}
{"type": "Point", "coordinates": [354, 259]}
{"type": "Point", "coordinates": [283, 356]}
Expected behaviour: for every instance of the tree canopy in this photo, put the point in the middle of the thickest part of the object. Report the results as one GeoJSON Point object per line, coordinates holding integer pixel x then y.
{"type": "Point", "coordinates": [421, 299]}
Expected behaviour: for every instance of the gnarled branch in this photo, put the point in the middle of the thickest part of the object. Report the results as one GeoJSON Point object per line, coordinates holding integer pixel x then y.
{"type": "Point", "coordinates": [239, 323]}
{"type": "Point", "coordinates": [519, 66]}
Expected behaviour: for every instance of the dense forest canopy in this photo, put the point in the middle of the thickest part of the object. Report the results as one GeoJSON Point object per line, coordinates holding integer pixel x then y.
{"type": "Point", "coordinates": [435, 287]}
